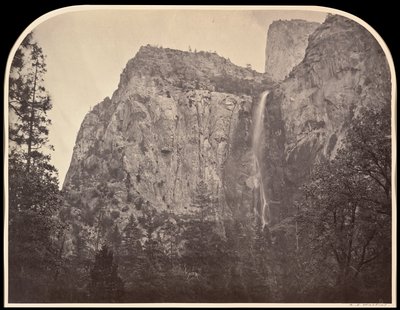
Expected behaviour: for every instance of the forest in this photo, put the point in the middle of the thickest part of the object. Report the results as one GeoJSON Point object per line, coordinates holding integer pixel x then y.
{"type": "Point", "coordinates": [335, 248]}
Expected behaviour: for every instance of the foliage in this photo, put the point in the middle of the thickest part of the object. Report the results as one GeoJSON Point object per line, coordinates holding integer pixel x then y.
{"type": "Point", "coordinates": [132, 256]}
{"type": "Point", "coordinates": [345, 216]}
{"type": "Point", "coordinates": [239, 86]}
{"type": "Point", "coordinates": [229, 84]}
{"type": "Point", "coordinates": [29, 102]}
{"type": "Point", "coordinates": [34, 199]}
{"type": "Point", "coordinates": [105, 284]}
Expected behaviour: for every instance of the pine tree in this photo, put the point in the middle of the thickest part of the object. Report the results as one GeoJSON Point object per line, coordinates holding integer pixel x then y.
{"type": "Point", "coordinates": [238, 255]}
{"type": "Point", "coordinates": [29, 103]}
{"type": "Point", "coordinates": [157, 265]}
{"type": "Point", "coordinates": [171, 234]}
{"type": "Point", "coordinates": [204, 249]}
{"type": "Point", "coordinates": [105, 285]}
{"type": "Point", "coordinates": [132, 255]}
{"type": "Point", "coordinates": [203, 203]}
{"type": "Point", "coordinates": [33, 200]}
{"type": "Point", "coordinates": [200, 227]}
{"type": "Point", "coordinates": [34, 197]}
{"type": "Point", "coordinates": [262, 274]}
{"type": "Point", "coordinates": [157, 261]}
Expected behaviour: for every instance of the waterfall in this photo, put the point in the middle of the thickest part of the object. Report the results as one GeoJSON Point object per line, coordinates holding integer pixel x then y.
{"type": "Point", "coordinates": [256, 148]}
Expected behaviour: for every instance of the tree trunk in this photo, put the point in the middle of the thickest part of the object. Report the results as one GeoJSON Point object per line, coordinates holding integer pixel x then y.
{"type": "Point", "coordinates": [31, 121]}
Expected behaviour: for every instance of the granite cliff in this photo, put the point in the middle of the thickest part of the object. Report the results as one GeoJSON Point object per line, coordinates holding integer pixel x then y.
{"type": "Point", "coordinates": [172, 122]}
{"type": "Point", "coordinates": [344, 70]}
{"type": "Point", "coordinates": [178, 118]}
{"type": "Point", "coordinates": [286, 45]}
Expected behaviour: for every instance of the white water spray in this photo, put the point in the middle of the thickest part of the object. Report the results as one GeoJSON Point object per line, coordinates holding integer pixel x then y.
{"type": "Point", "coordinates": [256, 147]}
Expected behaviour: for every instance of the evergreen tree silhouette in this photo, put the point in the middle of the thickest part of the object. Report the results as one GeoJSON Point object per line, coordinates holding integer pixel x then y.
{"type": "Point", "coordinates": [105, 284]}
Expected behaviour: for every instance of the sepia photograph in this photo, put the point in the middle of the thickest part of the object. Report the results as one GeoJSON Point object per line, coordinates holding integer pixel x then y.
{"type": "Point", "coordinates": [173, 155]}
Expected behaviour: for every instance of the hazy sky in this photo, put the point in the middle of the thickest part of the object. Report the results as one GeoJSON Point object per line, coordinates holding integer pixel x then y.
{"type": "Point", "coordinates": [87, 51]}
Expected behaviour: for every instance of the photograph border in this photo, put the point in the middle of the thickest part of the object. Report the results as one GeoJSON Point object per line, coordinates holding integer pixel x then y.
{"type": "Point", "coordinates": [79, 8]}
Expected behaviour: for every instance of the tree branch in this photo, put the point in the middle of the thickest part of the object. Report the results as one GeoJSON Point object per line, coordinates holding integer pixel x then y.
{"type": "Point", "coordinates": [15, 109]}
{"type": "Point", "coordinates": [364, 250]}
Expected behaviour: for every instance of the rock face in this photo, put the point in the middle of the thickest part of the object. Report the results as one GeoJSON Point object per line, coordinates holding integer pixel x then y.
{"type": "Point", "coordinates": [178, 118]}
{"type": "Point", "coordinates": [287, 41]}
{"type": "Point", "coordinates": [170, 124]}
{"type": "Point", "coordinates": [344, 70]}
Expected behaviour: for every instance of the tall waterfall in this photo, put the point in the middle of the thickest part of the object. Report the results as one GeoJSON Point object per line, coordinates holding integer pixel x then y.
{"type": "Point", "coordinates": [258, 119]}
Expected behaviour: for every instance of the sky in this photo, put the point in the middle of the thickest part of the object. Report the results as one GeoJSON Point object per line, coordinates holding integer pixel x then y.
{"type": "Point", "coordinates": [87, 51]}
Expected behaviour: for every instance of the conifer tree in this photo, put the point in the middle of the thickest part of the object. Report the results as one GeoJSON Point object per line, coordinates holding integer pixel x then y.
{"type": "Point", "coordinates": [105, 285]}
{"type": "Point", "coordinates": [200, 228]}
{"type": "Point", "coordinates": [33, 185]}
{"type": "Point", "coordinates": [204, 248]}
{"type": "Point", "coordinates": [132, 255]}
{"type": "Point", "coordinates": [29, 103]}
{"type": "Point", "coordinates": [262, 274]}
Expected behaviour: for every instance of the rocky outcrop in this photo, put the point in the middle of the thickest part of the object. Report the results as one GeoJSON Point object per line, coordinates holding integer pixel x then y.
{"type": "Point", "coordinates": [343, 71]}
{"type": "Point", "coordinates": [171, 123]}
{"type": "Point", "coordinates": [287, 41]}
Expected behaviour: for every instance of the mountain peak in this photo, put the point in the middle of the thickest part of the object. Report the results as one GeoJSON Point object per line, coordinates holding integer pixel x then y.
{"type": "Point", "coordinates": [286, 44]}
